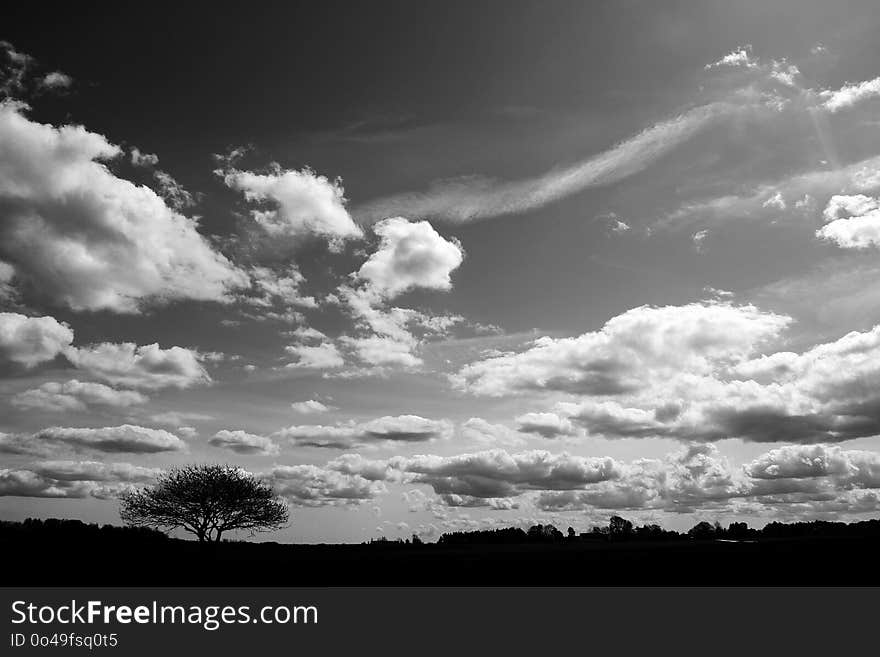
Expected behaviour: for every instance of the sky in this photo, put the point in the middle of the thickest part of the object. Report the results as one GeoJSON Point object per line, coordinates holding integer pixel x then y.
{"type": "Point", "coordinates": [430, 267]}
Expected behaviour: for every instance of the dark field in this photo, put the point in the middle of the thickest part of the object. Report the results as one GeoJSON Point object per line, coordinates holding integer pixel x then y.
{"type": "Point", "coordinates": [85, 555]}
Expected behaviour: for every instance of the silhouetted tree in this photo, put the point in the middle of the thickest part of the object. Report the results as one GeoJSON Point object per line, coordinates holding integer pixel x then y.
{"type": "Point", "coordinates": [619, 527]}
{"type": "Point", "coordinates": [702, 530]}
{"type": "Point", "coordinates": [571, 534]}
{"type": "Point", "coordinates": [649, 531]}
{"type": "Point", "coordinates": [205, 500]}
{"type": "Point", "coordinates": [544, 533]}
{"type": "Point", "coordinates": [738, 530]}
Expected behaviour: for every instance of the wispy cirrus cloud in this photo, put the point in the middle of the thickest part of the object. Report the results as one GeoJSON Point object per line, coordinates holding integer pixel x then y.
{"type": "Point", "coordinates": [473, 198]}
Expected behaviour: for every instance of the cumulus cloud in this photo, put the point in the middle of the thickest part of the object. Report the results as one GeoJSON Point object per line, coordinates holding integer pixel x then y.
{"type": "Point", "coordinates": [497, 473]}
{"type": "Point", "coordinates": [410, 255]}
{"type": "Point", "coordinates": [853, 222]}
{"type": "Point", "coordinates": [696, 477]}
{"type": "Point", "coordinates": [548, 425]}
{"type": "Point", "coordinates": [140, 159]}
{"type": "Point", "coordinates": [74, 395]}
{"type": "Point", "coordinates": [124, 438]}
{"type": "Point", "coordinates": [7, 273]}
{"type": "Point", "coordinates": [15, 67]}
{"type": "Point", "coordinates": [382, 350]}
{"type": "Point", "coordinates": [172, 192]}
{"type": "Point", "coordinates": [95, 471]}
{"type": "Point", "coordinates": [271, 288]}
{"type": "Point", "coordinates": [29, 341]}
{"type": "Point", "coordinates": [700, 372]}
{"type": "Point", "coordinates": [473, 198]}
{"type": "Point", "coordinates": [824, 394]}
{"type": "Point", "coordinates": [56, 80]}
{"type": "Point", "coordinates": [80, 236]}
{"type": "Point", "coordinates": [22, 445]}
{"type": "Point", "coordinates": [309, 406]}
{"type": "Point", "coordinates": [313, 486]}
{"type": "Point", "coordinates": [850, 94]}
{"type": "Point", "coordinates": [387, 429]}
{"type": "Point", "coordinates": [386, 338]}
{"type": "Point", "coordinates": [242, 442]}
{"type": "Point", "coordinates": [796, 480]}
{"type": "Point", "coordinates": [295, 203]}
{"type": "Point", "coordinates": [640, 344]}
{"type": "Point", "coordinates": [74, 479]}
{"type": "Point", "coordinates": [148, 367]}
{"type": "Point", "coordinates": [479, 431]}
{"type": "Point", "coordinates": [321, 356]}
{"type": "Point", "coordinates": [847, 468]}
{"type": "Point", "coordinates": [742, 56]}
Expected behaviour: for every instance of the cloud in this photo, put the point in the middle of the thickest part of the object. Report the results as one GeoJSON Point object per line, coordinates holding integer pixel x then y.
{"type": "Point", "coordinates": [242, 442]}
{"type": "Point", "coordinates": [22, 445]}
{"type": "Point", "coordinates": [56, 80]}
{"type": "Point", "coordinates": [700, 372]}
{"type": "Point", "coordinates": [825, 394]}
{"type": "Point", "coordinates": [309, 406]}
{"type": "Point", "coordinates": [410, 255]}
{"type": "Point", "coordinates": [370, 469]}
{"type": "Point", "coordinates": [140, 159]}
{"type": "Point", "coordinates": [294, 203]}
{"type": "Point", "coordinates": [742, 56]}
{"type": "Point", "coordinates": [479, 431]}
{"type": "Point", "coordinates": [547, 425]}
{"type": "Point", "coordinates": [148, 367]}
{"type": "Point", "coordinates": [124, 438]}
{"type": "Point", "coordinates": [74, 395]}
{"type": "Point", "coordinates": [314, 486]}
{"type": "Point", "coordinates": [387, 429]}
{"type": "Point", "coordinates": [496, 473]}
{"type": "Point", "coordinates": [384, 350]}
{"type": "Point", "coordinates": [172, 192]}
{"type": "Point", "coordinates": [795, 480]}
{"type": "Point", "coordinates": [177, 418]}
{"type": "Point", "coordinates": [322, 356]}
{"type": "Point", "coordinates": [80, 236]}
{"type": "Point", "coordinates": [696, 477]}
{"type": "Point", "coordinates": [270, 288]}
{"type": "Point", "coordinates": [74, 479]}
{"type": "Point", "coordinates": [699, 240]}
{"type": "Point", "coordinates": [387, 339]}
{"type": "Point", "coordinates": [642, 343]}
{"type": "Point", "coordinates": [7, 273]}
{"type": "Point", "coordinates": [15, 67]}
{"type": "Point", "coordinates": [473, 198]}
{"type": "Point", "coordinates": [850, 95]}
{"type": "Point", "coordinates": [846, 467]}
{"type": "Point", "coordinates": [853, 222]}
{"type": "Point", "coordinates": [95, 471]}
{"type": "Point", "coordinates": [29, 341]}
{"type": "Point", "coordinates": [801, 481]}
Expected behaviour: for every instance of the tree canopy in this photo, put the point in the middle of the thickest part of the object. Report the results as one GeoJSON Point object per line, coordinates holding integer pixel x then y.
{"type": "Point", "coordinates": [205, 500]}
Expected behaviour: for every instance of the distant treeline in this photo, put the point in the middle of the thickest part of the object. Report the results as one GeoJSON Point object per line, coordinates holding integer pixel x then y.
{"type": "Point", "coordinates": [619, 529]}
{"type": "Point", "coordinates": [54, 528]}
